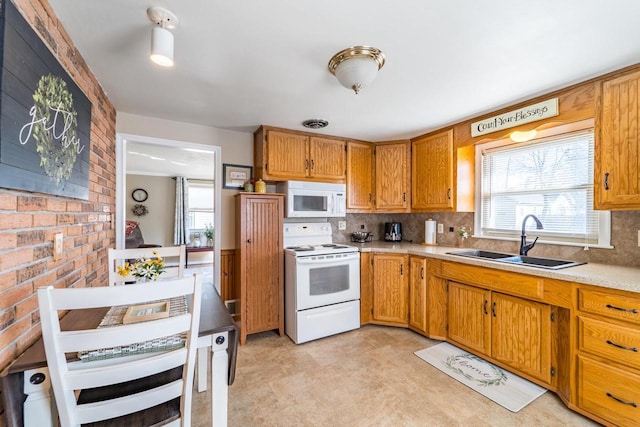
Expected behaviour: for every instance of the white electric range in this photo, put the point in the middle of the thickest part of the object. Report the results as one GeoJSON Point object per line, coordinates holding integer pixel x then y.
{"type": "Point", "coordinates": [322, 283]}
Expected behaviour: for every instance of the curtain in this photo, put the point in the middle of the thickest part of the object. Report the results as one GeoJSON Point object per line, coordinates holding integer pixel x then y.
{"type": "Point", "coordinates": [181, 228]}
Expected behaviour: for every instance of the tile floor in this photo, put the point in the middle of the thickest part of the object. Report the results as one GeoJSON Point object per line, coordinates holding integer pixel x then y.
{"type": "Point", "coordinates": [367, 377]}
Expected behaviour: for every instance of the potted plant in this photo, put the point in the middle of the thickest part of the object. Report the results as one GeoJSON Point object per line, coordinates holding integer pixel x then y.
{"type": "Point", "coordinates": [208, 232]}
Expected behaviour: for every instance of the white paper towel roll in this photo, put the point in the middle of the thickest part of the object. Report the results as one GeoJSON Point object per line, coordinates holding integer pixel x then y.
{"type": "Point", "coordinates": [430, 232]}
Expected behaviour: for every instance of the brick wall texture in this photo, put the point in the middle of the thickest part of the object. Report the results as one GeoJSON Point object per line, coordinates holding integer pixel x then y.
{"type": "Point", "coordinates": [28, 221]}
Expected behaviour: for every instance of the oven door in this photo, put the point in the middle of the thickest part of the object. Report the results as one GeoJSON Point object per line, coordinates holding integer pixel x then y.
{"type": "Point", "coordinates": [327, 279]}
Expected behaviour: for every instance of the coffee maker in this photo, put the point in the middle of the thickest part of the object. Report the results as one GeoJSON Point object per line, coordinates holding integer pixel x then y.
{"type": "Point", "coordinates": [392, 231]}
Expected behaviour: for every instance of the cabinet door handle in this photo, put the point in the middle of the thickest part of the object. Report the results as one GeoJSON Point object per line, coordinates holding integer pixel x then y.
{"type": "Point", "coordinates": [312, 163]}
{"type": "Point", "coordinates": [404, 197]}
{"type": "Point", "coordinates": [401, 273]}
{"type": "Point", "coordinates": [624, 347]}
{"type": "Point", "coordinates": [249, 241]}
{"type": "Point", "coordinates": [485, 306]}
{"type": "Point", "coordinates": [624, 402]}
{"type": "Point", "coordinates": [449, 194]}
{"type": "Point", "coordinates": [306, 164]}
{"type": "Point", "coordinates": [606, 181]}
{"type": "Point", "coordinates": [421, 273]}
{"type": "Point", "coordinates": [626, 310]}
{"type": "Point", "coordinates": [493, 309]}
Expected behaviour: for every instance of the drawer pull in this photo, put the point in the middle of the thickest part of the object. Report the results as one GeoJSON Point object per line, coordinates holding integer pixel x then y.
{"type": "Point", "coordinates": [635, 350]}
{"type": "Point", "coordinates": [626, 310]}
{"type": "Point", "coordinates": [624, 402]}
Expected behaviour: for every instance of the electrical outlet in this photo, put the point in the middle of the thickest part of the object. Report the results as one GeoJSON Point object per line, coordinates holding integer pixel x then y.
{"type": "Point", "coordinates": [440, 228]}
{"type": "Point", "coordinates": [342, 225]}
{"type": "Point", "coordinates": [57, 246]}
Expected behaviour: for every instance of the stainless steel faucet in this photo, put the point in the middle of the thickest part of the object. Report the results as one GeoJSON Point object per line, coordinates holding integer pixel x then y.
{"type": "Point", "coordinates": [524, 247]}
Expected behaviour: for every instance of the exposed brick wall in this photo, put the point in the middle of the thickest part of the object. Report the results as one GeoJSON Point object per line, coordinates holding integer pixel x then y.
{"type": "Point", "coordinates": [28, 221]}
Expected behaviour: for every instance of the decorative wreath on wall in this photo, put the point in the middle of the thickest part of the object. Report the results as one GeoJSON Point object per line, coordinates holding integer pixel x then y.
{"type": "Point", "coordinates": [139, 210]}
{"type": "Point", "coordinates": [54, 103]}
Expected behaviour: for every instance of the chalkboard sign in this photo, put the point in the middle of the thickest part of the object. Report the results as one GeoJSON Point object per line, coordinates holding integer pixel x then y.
{"type": "Point", "coordinates": [45, 119]}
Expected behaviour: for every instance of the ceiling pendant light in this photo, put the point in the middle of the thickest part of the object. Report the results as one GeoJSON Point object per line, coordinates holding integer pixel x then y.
{"type": "Point", "coordinates": [161, 37]}
{"type": "Point", "coordinates": [357, 66]}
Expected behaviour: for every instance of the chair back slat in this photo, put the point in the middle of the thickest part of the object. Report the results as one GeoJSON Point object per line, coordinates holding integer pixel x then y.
{"type": "Point", "coordinates": [68, 377]}
{"type": "Point", "coordinates": [77, 341]}
{"type": "Point", "coordinates": [82, 377]}
{"type": "Point", "coordinates": [80, 298]}
{"type": "Point", "coordinates": [129, 404]}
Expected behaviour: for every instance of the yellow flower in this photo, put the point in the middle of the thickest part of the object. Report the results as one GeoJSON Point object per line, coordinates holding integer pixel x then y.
{"type": "Point", "coordinates": [125, 270]}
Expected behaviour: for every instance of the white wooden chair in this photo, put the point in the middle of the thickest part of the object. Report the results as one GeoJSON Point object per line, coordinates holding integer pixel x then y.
{"type": "Point", "coordinates": [99, 380]}
{"type": "Point", "coordinates": [117, 257]}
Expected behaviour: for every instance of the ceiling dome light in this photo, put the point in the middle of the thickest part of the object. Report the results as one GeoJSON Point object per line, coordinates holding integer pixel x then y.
{"type": "Point", "coordinates": [161, 37]}
{"type": "Point", "coordinates": [356, 67]}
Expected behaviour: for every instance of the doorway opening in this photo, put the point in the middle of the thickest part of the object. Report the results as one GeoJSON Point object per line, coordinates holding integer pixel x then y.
{"type": "Point", "coordinates": [146, 172]}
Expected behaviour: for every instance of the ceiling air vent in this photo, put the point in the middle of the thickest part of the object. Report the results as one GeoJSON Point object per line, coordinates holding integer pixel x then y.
{"type": "Point", "coordinates": [315, 123]}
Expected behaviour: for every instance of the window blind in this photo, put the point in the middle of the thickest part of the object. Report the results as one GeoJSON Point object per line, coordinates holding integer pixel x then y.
{"type": "Point", "coordinates": [550, 178]}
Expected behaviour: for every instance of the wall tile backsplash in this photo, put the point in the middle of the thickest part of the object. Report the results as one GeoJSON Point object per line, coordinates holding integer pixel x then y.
{"type": "Point", "coordinates": [624, 236]}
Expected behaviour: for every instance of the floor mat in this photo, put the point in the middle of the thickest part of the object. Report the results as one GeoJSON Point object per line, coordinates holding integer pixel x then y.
{"type": "Point", "coordinates": [503, 387]}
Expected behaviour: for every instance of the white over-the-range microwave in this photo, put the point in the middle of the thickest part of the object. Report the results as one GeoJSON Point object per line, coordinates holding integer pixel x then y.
{"type": "Point", "coordinates": [313, 199]}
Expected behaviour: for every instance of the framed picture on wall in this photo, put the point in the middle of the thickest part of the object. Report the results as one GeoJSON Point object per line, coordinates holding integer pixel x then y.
{"type": "Point", "coordinates": [234, 176]}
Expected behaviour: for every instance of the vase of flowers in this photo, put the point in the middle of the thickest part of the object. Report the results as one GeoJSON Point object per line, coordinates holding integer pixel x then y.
{"type": "Point", "coordinates": [144, 269]}
{"type": "Point", "coordinates": [464, 234]}
{"type": "Point", "coordinates": [208, 232]}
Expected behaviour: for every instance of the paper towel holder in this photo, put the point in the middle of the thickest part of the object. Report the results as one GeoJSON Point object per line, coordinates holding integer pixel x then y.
{"type": "Point", "coordinates": [435, 243]}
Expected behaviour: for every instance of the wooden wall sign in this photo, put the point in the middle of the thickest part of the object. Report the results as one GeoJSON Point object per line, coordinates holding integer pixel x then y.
{"type": "Point", "coordinates": [531, 113]}
{"type": "Point", "coordinates": [45, 119]}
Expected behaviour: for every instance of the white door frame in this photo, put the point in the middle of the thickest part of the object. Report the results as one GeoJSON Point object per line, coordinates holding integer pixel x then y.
{"type": "Point", "coordinates": [121, 193]}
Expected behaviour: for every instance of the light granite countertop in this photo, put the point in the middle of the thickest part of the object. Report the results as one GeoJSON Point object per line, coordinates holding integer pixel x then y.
{"type": "Point", "coordinates": [607, 276]}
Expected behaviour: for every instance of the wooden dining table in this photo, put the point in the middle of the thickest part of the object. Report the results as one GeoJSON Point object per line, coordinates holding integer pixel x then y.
{"type": "Point", "coordinates": [217, 339]}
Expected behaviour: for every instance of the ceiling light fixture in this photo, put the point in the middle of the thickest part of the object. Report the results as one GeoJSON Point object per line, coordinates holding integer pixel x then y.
{"type": "Point", "coordinates": [523, 136]}
{"type": "Point", "coordinates": [357, 66]}
{"type": "Point", "coordinates": [161, 37]}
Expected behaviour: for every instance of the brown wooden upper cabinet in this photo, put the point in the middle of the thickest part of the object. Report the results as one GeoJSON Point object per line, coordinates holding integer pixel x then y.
{"type": "Point", "coordinates": [432, 184]}
{"type": "Point", "coordinates": [617, 156]}
{"type": "Point", "coordinates": [281, 155]}
{"type": "Point", "coordinates": [360, 178]}
{"type": "Point", "coordinates": [392, 174]}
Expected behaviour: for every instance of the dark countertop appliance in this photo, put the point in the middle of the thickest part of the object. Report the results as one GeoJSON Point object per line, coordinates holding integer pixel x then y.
{"type": "Point", "coordinates": [392, 231]}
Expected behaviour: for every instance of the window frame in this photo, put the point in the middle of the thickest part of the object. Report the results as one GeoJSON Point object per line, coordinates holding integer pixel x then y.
{"type": "Point", "coordinates": [604, 217]}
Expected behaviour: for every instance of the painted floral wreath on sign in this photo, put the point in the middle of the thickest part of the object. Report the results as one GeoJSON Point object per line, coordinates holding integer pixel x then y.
{"type": "Point", "coordinates": [55, 129]}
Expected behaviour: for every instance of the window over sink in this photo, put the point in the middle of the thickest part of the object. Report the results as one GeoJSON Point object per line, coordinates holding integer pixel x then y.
{"type": "Point", "coordinates": [550, 177]}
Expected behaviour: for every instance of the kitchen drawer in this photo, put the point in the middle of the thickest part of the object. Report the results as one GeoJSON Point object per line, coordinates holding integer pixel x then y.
{"type": "Point", "coordinates": [610, 304]}
{"type": "Point", "coordinates": [608, 392]}
{"type": "Point", "coordinates": [614, 342]}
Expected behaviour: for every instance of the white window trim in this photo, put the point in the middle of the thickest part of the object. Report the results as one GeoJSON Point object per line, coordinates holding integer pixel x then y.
{"type": "Point", "coordinates": [604, 217]}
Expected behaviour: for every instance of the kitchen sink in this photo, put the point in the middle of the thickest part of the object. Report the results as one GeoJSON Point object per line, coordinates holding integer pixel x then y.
{"type": "Point", "coordinates": [529, 261]}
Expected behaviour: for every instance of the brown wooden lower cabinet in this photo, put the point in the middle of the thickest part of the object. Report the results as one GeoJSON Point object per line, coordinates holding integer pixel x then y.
{"type": "Point", "coordinates": [608, 341]}
{"type": "Point", "coordinates": [580, 341]}
{"type": "Point", "coordinates": [391, 289]}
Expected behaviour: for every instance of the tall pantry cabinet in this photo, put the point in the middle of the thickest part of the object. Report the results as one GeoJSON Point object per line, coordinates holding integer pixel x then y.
{"type": "Point", "coordinates": [260, 262]}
